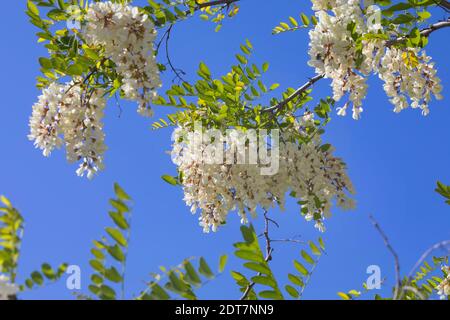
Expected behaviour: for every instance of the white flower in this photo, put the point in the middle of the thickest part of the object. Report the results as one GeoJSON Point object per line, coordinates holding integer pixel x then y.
{"type": "Point", "coordinates": [312, 175]}
{"type": "Point", "coordinates": [444, 287]}
{"type": "Point", "coordinates": [127, 36]}
{"type": "Point", "coordinates": [67, 115]}
{"type": "Point", "coordinates": [407, 73]}
{"type": "Point", "coordinates": [70, 114]}
{"type": "Point", "coordinates": [7, 289]}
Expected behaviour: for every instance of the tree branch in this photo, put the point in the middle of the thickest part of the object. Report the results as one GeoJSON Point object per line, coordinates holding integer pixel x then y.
{"type": "Point", "coordinates": [215, 3]}
{"type": "Point", "coordinates": [444, 4]}
{"type": "Point", "coordinates": [436, 26]}
{"type": "Point", "coordinates": [425, 32]}
{"type": "Point", "coordinates": [269, 251]}
{"type": "Point", "coordinates": [294, 95]}
{"type": "Point", "coordinates": [394, 254]}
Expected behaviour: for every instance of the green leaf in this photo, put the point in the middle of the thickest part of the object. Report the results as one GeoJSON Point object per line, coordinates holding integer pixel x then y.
{"type": "Point", "coordinates": [292, 291]}
{"type": "Point", "coordinates": [159, 292]}
{"type": "Point", "coordinates": [113, 275]}
{"type": "Point", "coordinates": [273, 295]}
{"type": "Point", "coordinates": [307, 257]}
{"type": "Point", "coordinates": [204, 269]}
{"type": "Point", "coordinates": [322, 244]}
{"type": "Point", "coordinates": [344, 296]}
{"type": "Point", "coordinates": [97, 265]}
{"type": "Point", "coordinates": [45, 63]}
{"type": "Point", "coordinates": [97, 254]}
{"type": "Point", "coordinates": [205, 70]}
{"type": "Point", "coordinates": [120, 193]}
{"type": "Point", "coordinates": [258, 267]}
{"type": "Point", "coordinates": [222, 263]}
{"type": "Point", "coordinates": [32, 8]}
{"type": "Point", "coordinates": [75, 69]}
{"type": "Point", "coordinates": [170, 180]}
{"type": "Point", "coordinates": [300, 268]}
{"type": "Point", "coordinates": [119, 205]}
{"type": "Point", "coordinates": [48, 271]}
{"type": "Point", "coordinates": [107, 292]}
{"type": "Point", "coordinates": [274, 86]}
{"type": "Point", "coordinates": [119, 220]}
{"type": "Point", "coordinates": [240, 279]}
{"type": "Point", "coordinates": [305, 19]}
{"type": "Point", "coordinates": [177, 284]}
{"type": "Point", "coordinates": [249, 255]}
{"type": "Point", "coordinates": [265, 280]}
{"type": "Point", "coordinates": [315, 250]}
{"type": "Point", "coordinates": [116, 253]}
{"type": "Point", "coordinates": [296, 280]}
{"type": "Point", "coordinates": [37, 278]}
{"type": "Point", "coordinates": [117, 236]}
{"type": "Point", "coordinates": [192, 274]}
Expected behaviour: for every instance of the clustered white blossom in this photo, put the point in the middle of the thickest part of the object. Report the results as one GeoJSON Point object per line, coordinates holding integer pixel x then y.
{"type": "Point", "coordinates": [127, 36]}
{"type": "Point", "coordinates": [71, 116]}
{"type": "Point", "coordinates": [313, 176]}
{"type": "Point", "coordinates": [418, 82]}
{"type": "Point", "coordinates": [444, 287]}
{"type": "Point", "coordinates": [7, 289]}
{"type": "Point", "coordinates": [334, 53]}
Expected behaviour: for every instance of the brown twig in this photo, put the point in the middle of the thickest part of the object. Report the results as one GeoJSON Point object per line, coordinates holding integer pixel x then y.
{"type": "Point", "coordinates": [294, 95]}
{"type": "Point", "coordinates": [215, 3]}
{"type": "Point", "coordinates": [394, 254]}
{"type": "Point", "coordinates": [178, 73]}
{"type": "Point", "coordinates": [269, 251]}
{"type": "Point", "coordinates": [424, 32]}
{"type": "Point", "coordinates": [444, 4]}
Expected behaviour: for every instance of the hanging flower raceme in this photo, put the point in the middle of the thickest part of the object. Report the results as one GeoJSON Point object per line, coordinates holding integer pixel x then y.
{"type": "Point", "coordinates": [70, 116]}
{"type": "Point", "coordinates": [127, 36]}
{"type": "Point", "coordinates": [409, 74]}
{"type": "Point", "coordinates": [337, 51]}
{"type": "Point", "coordinates": [219, 175]}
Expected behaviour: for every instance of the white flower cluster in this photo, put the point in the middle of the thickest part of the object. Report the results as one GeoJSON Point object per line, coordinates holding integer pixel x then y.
{"type": "Point", "coordinates": [313, 176]}
{"type": "Point", "coordinates": [444, 287]}
{"type": "Point", "coordinates": [7, 289]}
{"type": "Point", "coordinates": [415, 79]}
{"type": "Point", "coordinates": [127, 36]}
{"type": "Point", "coordinates": [70, 116]}
{"type": "Point", "coordinates": [335, 53]}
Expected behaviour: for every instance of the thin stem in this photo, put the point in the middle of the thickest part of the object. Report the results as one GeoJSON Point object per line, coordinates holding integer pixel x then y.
{"type": "Point", "coordinates": [215, 3]}
{"type": "Point", "coordinates": [308, 278]}
{"type": "Point", "coordinates": [269, 251]}
{"type": "Point", "coordinates": [393, 252]}
{"type": "Point", "coordinates": [296, 94]}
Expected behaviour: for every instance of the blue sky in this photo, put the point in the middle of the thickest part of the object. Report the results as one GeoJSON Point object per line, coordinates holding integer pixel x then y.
{"type": "Point", "coordinates": [394, 161]}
